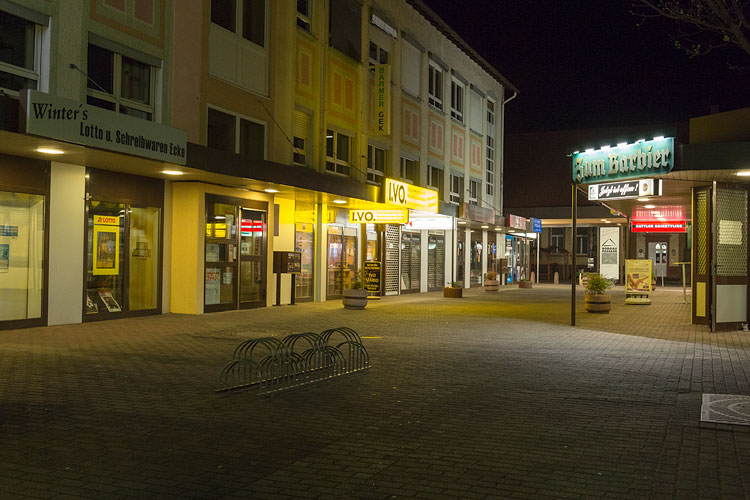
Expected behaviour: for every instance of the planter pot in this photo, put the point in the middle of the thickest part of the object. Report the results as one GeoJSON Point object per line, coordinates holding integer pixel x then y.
{"type": "Point", "coordinates": [491, 285]}
{"type": "Point", "coordinates": [598, 302]}
{"type": "Point", "coordinates": [453, 293]}
{"type": "Point", "coordinates": [354, 299]}
{"type": "Point", "coordinates": [524, 284]}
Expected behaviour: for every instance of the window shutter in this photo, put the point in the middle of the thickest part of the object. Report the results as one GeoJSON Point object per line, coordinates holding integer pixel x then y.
{"type": "Point", "coordinates": [476, 112]}
{"type": "Point", "coordinates": [301, 125]}
{"type": "Point", "coordinates": [410, 68]}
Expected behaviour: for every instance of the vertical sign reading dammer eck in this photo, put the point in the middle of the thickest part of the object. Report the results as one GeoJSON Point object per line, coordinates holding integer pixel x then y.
{"type": "Point", "coordinates": [381, 117]}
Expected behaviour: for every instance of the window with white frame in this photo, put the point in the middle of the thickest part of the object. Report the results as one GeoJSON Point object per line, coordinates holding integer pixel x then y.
{"type": "Point", "coordinates": [121, 84]}
{"type": "Point", "coordinates": [304, 15]}
{"type": "Point", "coordinates": [435, 178]}
{"type": "Point", "coordinates": [490, 112]}
{"type": "Point", "coordinates": [490, 165]}
{"type": "Point", "coordinates": [376, 158]}
{"type": "Point", "coordinates": [475, 189]}
{"type": "Point", "coordinates": [435, 85]}
{"type": "Point", "coordinates": [246, 18]}
{"type": "Point", "coordinates": [457, 187]}
{"type": "Point", "coordinates": [234, 134]}
{"type": "Point", "coordinates": [409, 169]}
{"type": "Point", "coordinates": [557, 239]}
{"type": "Point", "coordinates": [20, 54]}
{"type": "Point", "coordinates": [300, 135]}
{"type": "Point", "coordinates": [378, 55]}
{"type": "Point", "coordinates": [457, 100]}
{"type": "Point", "coordinates": [338, 152]}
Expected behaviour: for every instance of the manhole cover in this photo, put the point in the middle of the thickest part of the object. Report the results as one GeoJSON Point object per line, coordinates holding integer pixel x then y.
{"type": "Point", "coordinates": [726, 409]}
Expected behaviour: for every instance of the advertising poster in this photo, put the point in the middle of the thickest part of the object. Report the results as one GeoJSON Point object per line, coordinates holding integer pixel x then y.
{"type": "Point", "coordinates": [106, 258]}
{"type": "Point", "coordinates": [372, 272]}
{"type": "Point", "coordinates": [213, 286]}
{"type": "Point", "coordinates": [109, 301]}
{"type": "Point", "coordinates": [4, 257]}
{"type": "Point", "coordinates": [609, 252]}
{"type": "Point", "coordinates": [638, 279]}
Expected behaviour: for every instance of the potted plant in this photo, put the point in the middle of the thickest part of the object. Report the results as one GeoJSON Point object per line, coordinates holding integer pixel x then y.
{"type": "Point", "coordinates": [491, 284]}
{"type": "Point", "coordinates": [596, 300]}
{"type": "Point", "coordinates": [524, 283]}
{"type": "Point", "coordinates": [355, 297]}
{"type": "Point", "coordinates": [453, 290]}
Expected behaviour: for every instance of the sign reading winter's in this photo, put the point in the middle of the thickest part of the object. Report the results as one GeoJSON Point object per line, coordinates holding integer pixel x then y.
{"type": "Point", "coordinates": [410, 196]}
{"type": "Point", "coordinates": [642, 159]}
{"type": "Point", "coordinates": [625, 190]}
{"type": "Point", "coordinates": [72, 121]}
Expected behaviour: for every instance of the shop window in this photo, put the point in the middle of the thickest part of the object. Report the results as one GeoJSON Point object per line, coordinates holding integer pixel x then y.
{"type": "Point", "coordinates": [584, 238]}
{"type": "Point", "coordinates": [304, 15]}
{"type": "Point", "coordinates": [346, 28]}
{"type": "Point", "coordinates": [338, 153]}
{"type": "Point", "coordinates": [457, 188]}
{"type": "Point", "coordinates": [119, 83]}
{"type": "Point", "coordinates": [475, 188]}
{"type": "Point", "coordinates": [378, 55]}
{"type": "Point", "coordinates": [408, 169]}
{"type": "Point", "coordinates": [20, 44]}
{"type": "Point", "coordinates": [304, 243]}
{"type": "Point", "coordinates": [123, 240]}
{"type": "Point", "coordinates": [376, 159]}
{"type": "Point", "coordinates": [557, 239]}
{"type": "Point", "coordinates": [21, 255]}
{"type": "Point", "coordinates": [457, 100]}
{"type": "Point", "coordinates": [246, 18]}
{"type": "Point", "coordinates": [435, 85]}
{"type": "Point", "coordinates": [234, 134]}
{"type": "Point", "coordinates": [435, 178]}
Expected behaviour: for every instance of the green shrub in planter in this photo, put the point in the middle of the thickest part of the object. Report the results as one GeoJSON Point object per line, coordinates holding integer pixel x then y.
{"type": "Point", "coordinates": [597, 284]}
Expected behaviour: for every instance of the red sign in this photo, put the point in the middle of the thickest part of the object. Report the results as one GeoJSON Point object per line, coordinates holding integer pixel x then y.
{"type": "Point", "coordinates": [658, 226]}
{"type": "Point", "coordinates": [249, 226]}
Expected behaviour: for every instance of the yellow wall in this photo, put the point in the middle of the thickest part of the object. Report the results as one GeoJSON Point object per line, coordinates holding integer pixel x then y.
{"type": "Point", "coordinates": [729, 126]}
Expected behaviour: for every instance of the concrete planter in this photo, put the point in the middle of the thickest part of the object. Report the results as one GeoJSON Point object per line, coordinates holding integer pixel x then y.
{"type": "Point", "coordinates": [354, 299]}
{"type": "Point", "coordinates": [598, 302]}
{"type": "Point", "coordinates": [491, 285]}
{"type": "Point", "coordinates": [524, 284]}
{"type": "Point", "coordinates": [453, 293]}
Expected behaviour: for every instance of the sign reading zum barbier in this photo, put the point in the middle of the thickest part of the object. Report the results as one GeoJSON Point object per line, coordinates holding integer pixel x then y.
{"type": "Point", "coordinates": [72, 121]}
{"type": "Point", "coordinates": [642, 159]}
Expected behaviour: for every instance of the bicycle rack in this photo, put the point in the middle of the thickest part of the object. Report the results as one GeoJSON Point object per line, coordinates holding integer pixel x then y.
{"type": "Point", "coordinates": [298, 359]}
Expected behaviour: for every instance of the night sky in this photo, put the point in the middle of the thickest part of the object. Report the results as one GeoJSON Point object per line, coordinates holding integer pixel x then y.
{"type": "Point", "coordinates": [584, 64]}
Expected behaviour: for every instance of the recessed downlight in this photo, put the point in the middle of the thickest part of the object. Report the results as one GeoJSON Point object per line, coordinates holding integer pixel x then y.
{"type": "Point", "coordinates": [642, 199]}
{"type": "Point", "coordinates": [462, 222]}
{"type": "Point", "coordinates": [485, 227]}
{"type": "Point", "coordinates": [172, 172]}
{"type": "Point", "coordinates": [744, 173]}
{"type": "Point", "coordinates": [339, 201]}
{"type": "Point", "coordinates": [50, 151]}
{"type": "Point", "coordinates": [271, 190]}
{"type": "Point", "coordinates": [649, 206]}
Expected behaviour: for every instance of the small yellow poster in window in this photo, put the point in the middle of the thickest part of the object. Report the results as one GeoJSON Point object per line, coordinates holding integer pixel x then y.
{"type": "Point", "coordinates": [106, 247]}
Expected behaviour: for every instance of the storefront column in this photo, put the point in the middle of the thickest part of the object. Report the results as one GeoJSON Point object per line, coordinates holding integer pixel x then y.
{"type": "Point", "coordinates": [321, 254]}
{"type": "Point", "coordinates": [467, 257]}
{"type": "Point", "coordinates": [484, 255]}
{"type": "Point", "coordinates": [67, 195]}
{"type": "Point", "coordinates": [423, 262]}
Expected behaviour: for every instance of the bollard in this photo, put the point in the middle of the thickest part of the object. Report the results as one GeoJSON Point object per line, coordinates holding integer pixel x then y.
{"type": "Point", "coordinates": [533, 277]}
{"type": "Point", "coordinates": [557, 278]}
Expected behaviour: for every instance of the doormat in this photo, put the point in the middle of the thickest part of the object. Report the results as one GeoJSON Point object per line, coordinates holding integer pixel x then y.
{"type": "Point", "coordinates": [726, 409]}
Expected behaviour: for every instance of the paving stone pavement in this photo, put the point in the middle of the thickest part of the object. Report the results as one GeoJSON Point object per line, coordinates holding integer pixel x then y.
{"type": "Point", "coordinates": [489, 396]}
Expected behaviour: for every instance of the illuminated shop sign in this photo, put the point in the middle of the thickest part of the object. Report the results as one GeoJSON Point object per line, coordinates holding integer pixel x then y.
{"type": "Point", "coordinates": [72, 121]}
{"type": "Point", "coordinates": [387, 216]}
{"type": "Point", "coordinates": [536, 225]}
{"type": "Point", "coordinates": [658, 226]}
{"type": "Point", "coordinates": [381, 119]}
{"type": "Point", "coordinates": [625, 190]}
{"type": "Point", "coordinates": [516, 222]}
{"type": "Point", "coordinates": [626, 161]}
{"type": "Point", "coordinates": [410, 196]}
{"type": "Point", "coordinates": [430, 223]}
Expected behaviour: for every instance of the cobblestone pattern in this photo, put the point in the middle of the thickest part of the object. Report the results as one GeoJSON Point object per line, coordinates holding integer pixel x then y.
{"type": "Point", "coordinates": [489, 396]}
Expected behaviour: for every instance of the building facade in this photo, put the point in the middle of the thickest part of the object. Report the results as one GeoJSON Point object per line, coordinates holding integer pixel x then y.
{"type": "Point", "coordinates": [217, 133]}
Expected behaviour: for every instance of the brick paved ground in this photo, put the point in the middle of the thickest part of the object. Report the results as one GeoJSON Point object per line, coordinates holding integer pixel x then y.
{"type": "Point", "coordinates": [490, 396]}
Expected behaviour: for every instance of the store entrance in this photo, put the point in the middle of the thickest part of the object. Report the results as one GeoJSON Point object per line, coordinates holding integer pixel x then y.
{"type": "Point", "coordinates": [410, 261]}
{"type": "Point", "coordinates": [235, 256]}
{"type": "Point", "coordinates": [342, 259]}
{"type": "Point", "coordinates": [435, 262]}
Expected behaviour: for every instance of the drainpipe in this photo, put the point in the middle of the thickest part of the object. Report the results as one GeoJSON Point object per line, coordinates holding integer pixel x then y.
{"type": "Point", "coordinates": [502, 150]}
